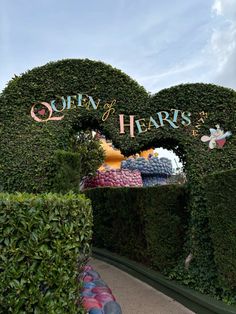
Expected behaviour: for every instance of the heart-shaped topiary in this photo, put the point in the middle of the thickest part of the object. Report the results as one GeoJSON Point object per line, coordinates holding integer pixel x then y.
{"type": "Point", "coordinates": [175, 118]}
{"type": "Point", "coordinates": [28, 146]}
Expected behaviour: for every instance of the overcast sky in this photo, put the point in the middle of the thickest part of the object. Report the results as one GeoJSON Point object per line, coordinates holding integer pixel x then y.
{"type": "Point", "coordinates": [158, 43]}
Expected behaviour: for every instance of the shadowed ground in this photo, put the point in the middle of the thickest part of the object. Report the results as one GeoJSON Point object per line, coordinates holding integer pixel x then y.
{"type": "Point", "coordinates": [134, 296]}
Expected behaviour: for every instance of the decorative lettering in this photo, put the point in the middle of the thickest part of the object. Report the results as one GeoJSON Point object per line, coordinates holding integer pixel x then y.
{"type": "Point", "coordinates": [203, 115]}
{"type": "Point", "coordinates": [186, 118]}
{"type": "Point", "coordinates": [109, 110]}
{"type": "Point", "coordinates": [166, 118]}
{"type": "Point", "coordinates": [174, 117]}
{"type": "Point", "coordinates": [64, 105]}
{"type": "Point", "coordinates": [130, 125]}
{"type": "Point", "coordinates": [195, 133]}
{"type": "Point", "coordinates": [50, 112]}
{"type": "Point", "coordinates": [176, 112]}
{"type": "Point", "coordinates": [152, 123]}
{"type": "Point", "coordinates": [140, 125]}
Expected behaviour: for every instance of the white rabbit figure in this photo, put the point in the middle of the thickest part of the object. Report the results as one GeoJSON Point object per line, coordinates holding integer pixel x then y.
{"type": "Point", "coordinates": [217, 137]}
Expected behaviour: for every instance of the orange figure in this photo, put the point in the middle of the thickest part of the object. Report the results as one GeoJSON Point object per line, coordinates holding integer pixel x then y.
{"type": "Point", "coordinates": [114, 157]}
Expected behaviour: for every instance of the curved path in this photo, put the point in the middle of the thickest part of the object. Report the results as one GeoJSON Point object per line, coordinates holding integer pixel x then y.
{"type": "Point", "coordinates": [134, 296]}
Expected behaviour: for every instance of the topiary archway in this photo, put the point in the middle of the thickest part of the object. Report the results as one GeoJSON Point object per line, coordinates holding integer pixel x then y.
{"type": "Point", "coordinates": [28, 146]}
{"type": "Point", "coordinates": [173, 118]}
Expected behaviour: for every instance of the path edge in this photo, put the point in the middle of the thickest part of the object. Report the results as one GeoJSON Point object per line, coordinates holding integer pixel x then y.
{"type": "Point", "coordinates": [193, 300]}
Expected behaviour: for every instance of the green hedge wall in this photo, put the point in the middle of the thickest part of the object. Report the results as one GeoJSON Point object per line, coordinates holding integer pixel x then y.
{"type": "Point", "coordinates": [144, 224]}
{"type": "Point", "coordinates": [221, 205]}
{"type": "Point", "coordinates": [44, 242]}
{"type": "Point", "coordinates": [67, 177]}
{"type": "Point", "coordinates": [28, 147]}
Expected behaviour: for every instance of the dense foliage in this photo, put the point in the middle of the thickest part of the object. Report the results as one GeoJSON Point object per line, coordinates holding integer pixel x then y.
{"type": "Point", "coordinates": [145, 224]}
{"type": "Point", "coordinates": [149, 225]}
{"type": "Point", "coordinates": [221, 205]}
{"type": "Point", "coordinates": [212, 229]}
{"type": "Point", "coordinates": [91, 153]}
{"type": "Point", "coordinates": [67, 177]}
{"type": "Point", "coordinates": [84, 157]}
{"type": "Point", "coordinates": [44, 242]}
{"type": "Point", "coordinates": [28, 148]}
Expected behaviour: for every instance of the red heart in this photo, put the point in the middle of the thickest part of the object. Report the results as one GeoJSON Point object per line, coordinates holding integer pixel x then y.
{"type": "Point", "coordinates": [42, 112]}
{"type": "Point", "coordinates": [221, 143]}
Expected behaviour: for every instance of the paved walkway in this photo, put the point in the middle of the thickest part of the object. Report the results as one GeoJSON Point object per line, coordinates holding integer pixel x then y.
{"type": "Point", "coordinates": [134, 296]}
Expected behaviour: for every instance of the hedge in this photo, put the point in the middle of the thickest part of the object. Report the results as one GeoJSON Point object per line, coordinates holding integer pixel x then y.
{"type": "Point", "coordinates": [67, 177]}
{"type": "Point", "coordinates": [221, 205]}
{"type": "Point", "coordinates": [144, 224]}
{"type": "Point", "coordinates": [44, 243]}
{"type": "Point", "coordinates": [28, 148]}
{"type": "Point", "coordinates": [23, 139]}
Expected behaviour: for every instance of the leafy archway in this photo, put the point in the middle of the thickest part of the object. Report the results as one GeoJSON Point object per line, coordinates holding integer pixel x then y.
{"type": "Point", "coordinates": [44, 107]}
{"type": "Point", "coordinates": [105, 98]}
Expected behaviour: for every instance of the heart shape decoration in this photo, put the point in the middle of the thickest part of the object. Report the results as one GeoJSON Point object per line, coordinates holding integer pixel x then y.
{"type": "Point", "coordinates": [173, 118]}
{"type": "Point", "coordinates": [221, 143]}
{"type": "Point", "coordinates": [42, 112]}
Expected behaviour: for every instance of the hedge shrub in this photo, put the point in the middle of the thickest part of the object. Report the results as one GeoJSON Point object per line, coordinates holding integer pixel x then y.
{"type": "Point", "coordinates": [28, 148]}
{"type": "Point", "coordinates": [144, 224]}
{"type": "Point", "coordinates": [44, 242]}
{"type": "Point", "coordinates": [67, 177]}
{"type": "Point", "coordinates": [221, 205]}
{"type": "Point", "coordinates": [71, 166]}
{"type": "Point", "coordinates": [22, 138]}
{"type": "Point", "coordinates": [166, 219]}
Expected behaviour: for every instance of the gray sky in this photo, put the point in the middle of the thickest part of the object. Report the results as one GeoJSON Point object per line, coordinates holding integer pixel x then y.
{"type": "Point", "coordinates": [158, 43]}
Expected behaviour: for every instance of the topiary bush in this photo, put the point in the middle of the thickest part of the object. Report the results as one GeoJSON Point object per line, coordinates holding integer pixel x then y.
{"type": "Point", "coordinates": [118, 223]}
{"type": "Point", "coordinates": [28, 147]}
{"type": "Point", "coordinates": [221, 206]}
{"type": "Point", "coordinates": [44, 243]}
{"type": "Point", "coordinates": [175, 118]}
{"type": "Point", "coordinates": [144, 224]}
{"type": "Point", "coordinates": [90, 152]}
{"type": "Point", "coordinates": [67, 177]}
{"type": "Point", "coordinates": [166, 218]}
